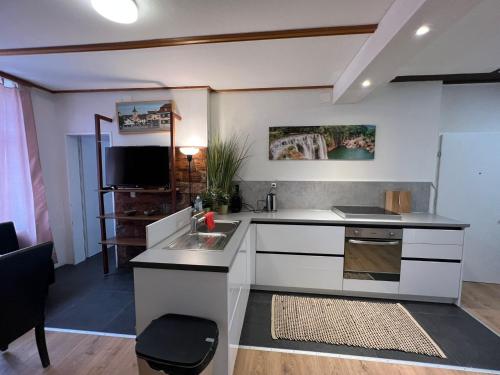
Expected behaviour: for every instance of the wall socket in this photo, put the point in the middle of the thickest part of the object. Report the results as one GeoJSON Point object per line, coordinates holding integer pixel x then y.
{"type": "Point", "coordinates": [274, 184]}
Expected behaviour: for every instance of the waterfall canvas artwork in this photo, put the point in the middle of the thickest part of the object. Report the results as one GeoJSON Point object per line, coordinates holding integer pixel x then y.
{"type": "Point", "coordinates": [334, 142]}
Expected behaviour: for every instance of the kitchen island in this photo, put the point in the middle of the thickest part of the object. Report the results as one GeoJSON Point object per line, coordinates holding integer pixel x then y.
{"type": "Point", "coordinates": [296, 250]}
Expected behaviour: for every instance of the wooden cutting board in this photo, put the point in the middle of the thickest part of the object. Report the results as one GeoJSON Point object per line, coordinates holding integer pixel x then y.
{"type": "Point", "coordinates": [398, 201]}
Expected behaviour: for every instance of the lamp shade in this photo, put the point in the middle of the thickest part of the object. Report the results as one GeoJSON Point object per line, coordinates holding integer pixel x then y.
{"type": "Point", "coordinates": [189, 150]}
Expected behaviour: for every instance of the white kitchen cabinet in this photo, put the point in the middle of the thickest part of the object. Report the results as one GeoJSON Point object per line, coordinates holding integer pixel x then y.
{"type": "Point", "coordinates": [430, 251]}
{"type": "Point", "coordinates": [239, 278]}
{"type": "Point", "coordinates": [313, 239]}
{"type": "Point", "coordinates": [433, 236]}
{"type": "Point", "coordinates": [299, 271]}
{"type": "Point", "coordinates": [427, 278]}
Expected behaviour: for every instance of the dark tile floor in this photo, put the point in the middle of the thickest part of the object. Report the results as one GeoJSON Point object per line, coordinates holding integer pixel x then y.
{"type": "Point", "coordinates": [84, 298]}
{"type": "Point", "coordinates": [465, 341]}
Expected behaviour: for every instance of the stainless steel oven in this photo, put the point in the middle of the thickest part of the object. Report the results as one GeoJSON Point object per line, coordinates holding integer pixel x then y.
{"type": "Point", "coordinates": [372, 253]}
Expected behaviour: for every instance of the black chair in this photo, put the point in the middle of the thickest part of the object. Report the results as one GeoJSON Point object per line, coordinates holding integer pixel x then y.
{"type": "Point", "coordinates": [8, 238]}
{"type": "Point", "coordinates": [9, 242]}
{"type": "Point", "coordinates": [24, 280]}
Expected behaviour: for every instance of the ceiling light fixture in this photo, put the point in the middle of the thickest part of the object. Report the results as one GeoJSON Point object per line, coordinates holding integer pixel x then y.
{"type": "Point", "coordinates": [121, 11]}
{"type": "Point", "coordinates": [422, 30]}
{"type": "Point", "coordinates": [366, 83]}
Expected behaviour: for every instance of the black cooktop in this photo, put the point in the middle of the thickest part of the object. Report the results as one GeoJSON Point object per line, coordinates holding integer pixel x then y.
{"type": "Point", "coordinates": [365, 212]}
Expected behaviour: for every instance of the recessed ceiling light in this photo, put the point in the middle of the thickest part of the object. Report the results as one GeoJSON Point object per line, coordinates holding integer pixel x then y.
{"type": "Point", "coordinates": [422, 30]}
{"type": "Point", "coordinates": [366, 83]}
{"type": "Point", "coordinates": [121, 11]}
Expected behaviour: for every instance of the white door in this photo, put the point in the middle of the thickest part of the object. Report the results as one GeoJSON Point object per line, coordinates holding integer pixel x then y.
{"type": "Point", "coordinates": [469, 190]}
{"type": "Point", "coordinates": [82, 167]}
{"type": "Point", "coordinates": [89, 191]}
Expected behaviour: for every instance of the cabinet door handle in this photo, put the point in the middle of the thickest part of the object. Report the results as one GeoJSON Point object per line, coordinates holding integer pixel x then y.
{"type": "Point", "coordinates": [376, 243]}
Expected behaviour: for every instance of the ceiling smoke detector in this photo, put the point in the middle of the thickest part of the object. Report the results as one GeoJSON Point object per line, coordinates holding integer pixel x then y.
{"type": "Point", "coordinates": [121, 11]}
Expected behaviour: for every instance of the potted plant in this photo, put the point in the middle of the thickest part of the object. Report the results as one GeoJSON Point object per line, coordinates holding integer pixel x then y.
{"type": "Point", "coordinates": [224, 159]}
{"type": "Point", "coordinates": [207, 200]}
{"type": "Point", "coordinates": [223, 199]}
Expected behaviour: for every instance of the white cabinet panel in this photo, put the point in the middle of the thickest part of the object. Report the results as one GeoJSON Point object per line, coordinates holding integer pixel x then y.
{"type": "Point", "coordinates": [433, 236]}
{"type": "Point", "coordinates": [236, 280]}
{"type": "Point", "coordinates": [238, 290]}
{"type": "Point", "coordinates": [251, 243]}
{"type": "Point", "coordinates": [300, 238]}
{"type": "Point", "coordinates": [425, 278]}
{"type": "Point", "coordinates": [371, 286]}
{"type": "Point", "coordinates": [429, 251]}
{"type": "Point", "coordinates": [299, 271]}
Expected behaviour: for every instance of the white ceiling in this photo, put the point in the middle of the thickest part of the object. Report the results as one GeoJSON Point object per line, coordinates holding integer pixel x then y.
{"type": "Point", "coordinates": [56, 22]}
{"type": "Point", "coordinates": [471, 45]}
{"type": "Point", "coordinates": [290, 62]}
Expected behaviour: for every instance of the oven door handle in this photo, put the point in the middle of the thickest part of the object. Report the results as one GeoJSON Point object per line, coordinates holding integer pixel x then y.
{"type": "Point", "coordinates": [377, 243]}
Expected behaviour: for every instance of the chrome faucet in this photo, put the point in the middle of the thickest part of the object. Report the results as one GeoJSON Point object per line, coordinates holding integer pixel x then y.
{"type": "Point", "coordinates": [197, 219]}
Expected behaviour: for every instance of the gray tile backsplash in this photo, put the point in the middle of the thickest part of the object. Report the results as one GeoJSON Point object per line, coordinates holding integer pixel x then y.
{"type": "Point", "coordinates": [324, 194]}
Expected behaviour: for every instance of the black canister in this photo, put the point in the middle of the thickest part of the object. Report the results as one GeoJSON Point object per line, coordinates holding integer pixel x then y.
{"type": "Point", "coordinates": [236, 202]}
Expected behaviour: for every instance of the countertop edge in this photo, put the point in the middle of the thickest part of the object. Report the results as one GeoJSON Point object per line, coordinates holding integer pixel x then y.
{"type": "Point", "coordinates": [234, 244]}
{"type": "Point", "coordinates": [181, 266]}
{"type": "Point", "coordinates": [351, 223]}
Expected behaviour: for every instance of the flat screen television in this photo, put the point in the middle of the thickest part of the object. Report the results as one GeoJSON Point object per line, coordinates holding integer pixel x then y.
{"type": "Point", "coordinates": [137, 166]}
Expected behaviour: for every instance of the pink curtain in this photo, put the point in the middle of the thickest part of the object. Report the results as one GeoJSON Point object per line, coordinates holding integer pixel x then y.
{"type": "Point", "coordinates": [22, 192]}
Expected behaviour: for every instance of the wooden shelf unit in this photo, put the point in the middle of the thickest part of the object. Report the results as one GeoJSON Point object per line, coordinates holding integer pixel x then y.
{"type": "Point", "coordinates": [124, 241]}
{"type": "Point", "coordinates": [102, 190]}
{"type": "Point", "coordinates": [148, 191]}
{"type": "Point", "coordinates": [139, 217]}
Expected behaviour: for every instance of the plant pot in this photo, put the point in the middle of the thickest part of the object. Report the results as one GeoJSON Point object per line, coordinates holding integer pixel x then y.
{"type": "Point", "coordinates": [223, 209]}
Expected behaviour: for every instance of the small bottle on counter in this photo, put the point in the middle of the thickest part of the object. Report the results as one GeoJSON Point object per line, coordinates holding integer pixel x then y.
{"type": "Point", "coordinates": [198, 204]}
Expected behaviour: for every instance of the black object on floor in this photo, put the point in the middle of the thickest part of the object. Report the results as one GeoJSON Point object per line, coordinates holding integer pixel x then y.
{"type": "Point", "coordinates": [178, 344]}
{"type": "Point", "coordinates": [465, 341]}
{"type": "Point", "coordinates": [83, 298]}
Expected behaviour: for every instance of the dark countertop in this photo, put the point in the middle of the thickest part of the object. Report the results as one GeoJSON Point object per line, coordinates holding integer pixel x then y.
{"type": "Point", "coordinates": [220, 261]}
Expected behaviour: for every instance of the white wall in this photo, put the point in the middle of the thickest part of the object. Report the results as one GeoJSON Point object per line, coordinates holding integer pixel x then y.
{"type": "Point", "coordinates": [62, 114]}
{"type": "Point", "coordinates": [471, 108]}
{"type": "Point", "coordinates": [76, 113]}
{"type": "Point", "coordinates": [52, 154]}
{"type": "Point", "coordinates": [407, 117]}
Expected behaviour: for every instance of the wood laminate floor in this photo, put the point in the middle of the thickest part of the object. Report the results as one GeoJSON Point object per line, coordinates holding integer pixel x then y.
{"type": "Point", "coordinates": [78, 354]}
{"type": "Point", "coordinates": [483, 302]}
{"type": "Point", "coordinates": [257, 362]}
{"type": "Point", "coordinates": [71, 354]}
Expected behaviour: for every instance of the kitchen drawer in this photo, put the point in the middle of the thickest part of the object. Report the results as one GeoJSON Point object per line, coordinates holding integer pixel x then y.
{"type": "Point", "coordinates": [434, 236]}
{"type": "Point", "coordinates": [430, 279]}
{"type": "Point", "coordinates": [300, 239]}
{"type": "Point", "coordinates": [299, 271]}
{"type": "Point", "coordinates": [429, 251]}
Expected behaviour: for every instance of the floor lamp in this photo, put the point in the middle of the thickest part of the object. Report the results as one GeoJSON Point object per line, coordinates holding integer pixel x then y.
{"type": "Point", "coordinates": [189, 152]}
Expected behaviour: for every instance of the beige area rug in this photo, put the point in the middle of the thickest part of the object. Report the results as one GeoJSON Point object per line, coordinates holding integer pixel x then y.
{"type": "Point", "coordinates": [373, 325]}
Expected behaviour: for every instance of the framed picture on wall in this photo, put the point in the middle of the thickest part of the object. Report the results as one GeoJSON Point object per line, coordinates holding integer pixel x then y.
{"type": "Point", "coordinates": [329, 142]}
{"type": "Point", "coordinates": [144, 117]}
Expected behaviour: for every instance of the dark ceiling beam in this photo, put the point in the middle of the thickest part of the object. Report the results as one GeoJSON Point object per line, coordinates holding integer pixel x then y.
{"type": "Point", "coordinates": [276, 88]}
{"type": "Point", "coordinates": [190, 40]}
{"type": "Point", "coordinates": [453, 79]}
{"type": "Point", "coordinates": [24, 82]}
{"type": "Point", "coordinates": [75, 91]}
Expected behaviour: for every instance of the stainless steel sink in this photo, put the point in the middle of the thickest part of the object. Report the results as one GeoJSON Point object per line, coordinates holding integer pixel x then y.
{"type": "Point", "coordinates": [221, 226]}
{"type": "Point", "coordinates": [203, 239]}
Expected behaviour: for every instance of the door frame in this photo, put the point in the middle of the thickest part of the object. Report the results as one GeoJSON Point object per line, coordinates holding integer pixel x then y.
{"type": "Point", "coordinates": [76, 211]}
